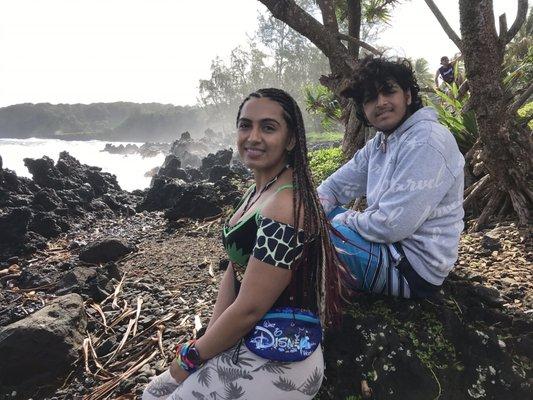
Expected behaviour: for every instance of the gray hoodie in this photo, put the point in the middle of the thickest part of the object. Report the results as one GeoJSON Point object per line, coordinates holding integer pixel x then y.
{"type": "Point", "coordinates": [414, 190]}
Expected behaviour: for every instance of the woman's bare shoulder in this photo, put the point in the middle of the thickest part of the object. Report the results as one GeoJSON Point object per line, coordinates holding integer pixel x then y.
{"type": "Point", "coordinates": [280, 207]}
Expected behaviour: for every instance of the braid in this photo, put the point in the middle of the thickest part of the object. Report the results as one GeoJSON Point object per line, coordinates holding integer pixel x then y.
{"type": "Point", "coordinates": [318, 258]}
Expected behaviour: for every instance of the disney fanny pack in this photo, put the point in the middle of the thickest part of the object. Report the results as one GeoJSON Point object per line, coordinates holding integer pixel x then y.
{"type": "Point", "coordinates": [285, 334]}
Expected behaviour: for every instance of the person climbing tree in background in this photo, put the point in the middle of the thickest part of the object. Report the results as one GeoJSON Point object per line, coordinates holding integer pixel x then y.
{"type": "Point", "coordinates": [448, 71]}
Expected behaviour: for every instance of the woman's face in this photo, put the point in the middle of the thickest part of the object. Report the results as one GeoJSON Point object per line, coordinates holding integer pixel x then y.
{"type": "Point", "coordinates": [263, 136]}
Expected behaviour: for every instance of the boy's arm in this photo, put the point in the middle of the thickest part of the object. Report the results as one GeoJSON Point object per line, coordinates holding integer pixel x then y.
{"type": "Point", "coordinates": [347, 183]}
{"type": "Point", "coordinates": [418, 185]}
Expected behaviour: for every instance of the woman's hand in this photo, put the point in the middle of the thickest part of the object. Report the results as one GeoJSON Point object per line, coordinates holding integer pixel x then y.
{"type": "Point", "coordinates": [178, 373]}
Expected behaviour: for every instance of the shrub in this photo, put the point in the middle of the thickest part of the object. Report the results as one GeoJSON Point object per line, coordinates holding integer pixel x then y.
{"type": "Point", "coordinates": [461, 124]}
{"type": "Point", "coordinates": [526, 114]}
{"type": "Point", "coordinates": [324, 162]}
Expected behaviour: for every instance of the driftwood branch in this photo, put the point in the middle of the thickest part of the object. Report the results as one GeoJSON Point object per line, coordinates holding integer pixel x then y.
{"type": "Point", "coordinates": [444, 23]}
{"type": "Point", "coordinates": [521, 14]}
{"type": "Point", "coordinates": [521, 100]}
{"type": "Point", "coordinates": [358, 42]}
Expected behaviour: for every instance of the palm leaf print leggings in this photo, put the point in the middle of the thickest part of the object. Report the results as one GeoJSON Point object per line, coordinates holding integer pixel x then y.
{"type": "Point", "coordinates": [238, 373]}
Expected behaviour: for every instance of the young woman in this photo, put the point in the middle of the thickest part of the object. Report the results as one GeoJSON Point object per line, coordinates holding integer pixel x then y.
{"type": "Point", "coordinates": [281, 261]}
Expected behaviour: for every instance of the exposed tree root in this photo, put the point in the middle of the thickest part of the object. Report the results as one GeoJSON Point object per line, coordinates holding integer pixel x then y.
{"type": "Point", "coordinates": [489, 210]}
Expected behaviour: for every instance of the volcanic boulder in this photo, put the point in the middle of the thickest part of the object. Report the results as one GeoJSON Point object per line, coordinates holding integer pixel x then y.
{"type": "Point", "coordinates": [172, 169]}
{"type": "Point", "coordinates": [40, 349]}
{"type": "Point", "coordinates": [221, 157]}
{"type": "Point", "coordinates": [105, 250]}
{"type": "Point", "coordinates": [195, 201]}
{"type": "Point", "coordinates": [14, 224]}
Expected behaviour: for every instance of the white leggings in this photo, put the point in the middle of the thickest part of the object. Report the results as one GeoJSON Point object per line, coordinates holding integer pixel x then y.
{"type": "Point", "coordinates": [252, 378]}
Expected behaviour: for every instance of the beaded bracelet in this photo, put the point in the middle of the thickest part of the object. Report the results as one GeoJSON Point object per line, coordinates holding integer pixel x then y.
{"type": "Point", "coordinates": [187, 356]}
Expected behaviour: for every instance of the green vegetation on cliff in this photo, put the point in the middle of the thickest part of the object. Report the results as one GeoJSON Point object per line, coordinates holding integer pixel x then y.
{"type": "Point", "coordinates": [120, 121]}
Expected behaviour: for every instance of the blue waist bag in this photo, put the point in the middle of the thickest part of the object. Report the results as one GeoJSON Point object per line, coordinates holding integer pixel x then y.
{"type": "Point", "coordinates": [285, 334]}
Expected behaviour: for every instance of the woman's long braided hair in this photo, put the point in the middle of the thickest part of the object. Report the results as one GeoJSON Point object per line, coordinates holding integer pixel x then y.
{"type": "Point", "coordinates": [319, 259]}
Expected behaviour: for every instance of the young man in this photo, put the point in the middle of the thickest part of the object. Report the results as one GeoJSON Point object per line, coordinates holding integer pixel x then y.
{"type": "Point", "coordinates": [445, 71]}
{"type": "Point", "coordinates": [406, 241]}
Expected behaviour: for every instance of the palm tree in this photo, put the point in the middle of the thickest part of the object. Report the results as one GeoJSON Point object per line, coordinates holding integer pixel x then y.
{"type": "Point", "coordinates": [423, 76]}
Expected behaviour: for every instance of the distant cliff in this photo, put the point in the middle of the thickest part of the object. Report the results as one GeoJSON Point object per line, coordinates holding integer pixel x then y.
{"type": "Point", "coordinates": [119, 121]}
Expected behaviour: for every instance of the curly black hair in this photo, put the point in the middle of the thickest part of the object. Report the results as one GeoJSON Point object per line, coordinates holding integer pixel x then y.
{"type": "Point", "coordinates": [374, 74]}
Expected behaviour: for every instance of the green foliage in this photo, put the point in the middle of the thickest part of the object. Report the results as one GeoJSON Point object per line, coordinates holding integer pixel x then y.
{"type": "Point", "coordinates": [277, 56]}
{"type": "Point", "coordinates": [378, 10]}
{"type": "Point", "coordinates": [324, 162]}
{"type": "Point", "coordinates": [421, 69]}
{"type": "Point", "coordinates": [104, 121]}
{"type": "Point", "coordinates": [461, 124]}
{"type": "Point", "coordinates": [372, 11]}
{"type": "Point", "coordinates": [518, 69]}
{"type": "Point", "coordinates": [321, 101]}
{"type": "Point", "coordinates": [518, 58]}
{"type": "Point", "coordinates": [526, 114]}
{"type": "Point", "coordinates": [518, 73]}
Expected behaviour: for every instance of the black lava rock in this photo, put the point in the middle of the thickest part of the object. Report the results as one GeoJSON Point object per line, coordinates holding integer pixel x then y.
{"type": "Point", "coordinates": [105, 250]}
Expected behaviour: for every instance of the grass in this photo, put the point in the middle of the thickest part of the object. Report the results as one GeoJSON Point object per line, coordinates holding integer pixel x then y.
{"type": "Point", "coordinates": [317, 137]}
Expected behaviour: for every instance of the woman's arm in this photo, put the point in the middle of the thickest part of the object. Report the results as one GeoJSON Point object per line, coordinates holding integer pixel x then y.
{"type": "Point", "coordinates": [226, 295]}
{"type": "Point", "coordinates": [261, 286]}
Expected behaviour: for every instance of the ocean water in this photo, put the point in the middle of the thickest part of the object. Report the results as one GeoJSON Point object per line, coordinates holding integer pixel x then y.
{"type": "Point", "coordinates": [129, 169]}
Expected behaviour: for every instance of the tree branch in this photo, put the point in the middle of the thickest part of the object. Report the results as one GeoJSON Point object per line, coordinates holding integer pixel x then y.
{"type": "Point", "coordinates": [327, 8]}
{"type": "Point", "coordinates": [298, 19]}
{"type": "Point", "coordinates": [445, 25]}
{"type": "Point", "coordinates": [503, 28]}
{"type": "Point", "coordinates": [354, 15]}
{"type": "Point", "coordinates": [521, 100]}
{"type": "Point", "coordinates": [521, 14]}
{"type": "Point", "coordinates": [360, 43]}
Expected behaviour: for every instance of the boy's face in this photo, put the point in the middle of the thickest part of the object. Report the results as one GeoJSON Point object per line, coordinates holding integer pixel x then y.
{"type": "Point", "coordinates": [445, 61]}
{"type": "Point", "coordinates": [387, 106]}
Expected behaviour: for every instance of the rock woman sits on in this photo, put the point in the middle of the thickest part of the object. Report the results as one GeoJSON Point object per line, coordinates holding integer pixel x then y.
{"type": "Point", "coordinates": [282, 283]}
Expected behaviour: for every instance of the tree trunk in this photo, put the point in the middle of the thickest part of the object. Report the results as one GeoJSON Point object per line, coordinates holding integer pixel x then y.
{"type": "Point", "coordinates": [505, 148]}
{"type": "Point", "coordinates": [342, 60]}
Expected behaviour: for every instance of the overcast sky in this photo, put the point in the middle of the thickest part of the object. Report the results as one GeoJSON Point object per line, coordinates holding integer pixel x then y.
{"type": "Point", "coordinates": [85, 51]}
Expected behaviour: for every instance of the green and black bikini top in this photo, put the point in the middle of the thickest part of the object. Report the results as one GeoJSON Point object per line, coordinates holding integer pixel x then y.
{"type": "Point", "coordinates": [274, 243]}
{"type": "Point", "coordinates": [239, 240]}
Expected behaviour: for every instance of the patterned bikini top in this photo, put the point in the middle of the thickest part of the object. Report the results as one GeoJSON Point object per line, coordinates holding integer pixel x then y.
{"type": "Point", "coordinates": [274, 243]}
{"type": "Point", "coordinates": [268, 240]}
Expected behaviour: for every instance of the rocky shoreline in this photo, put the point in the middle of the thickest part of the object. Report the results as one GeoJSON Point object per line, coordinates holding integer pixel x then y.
{"type": "Point", "coordinates": [98, 286]}
{"type": "Point", "coordinates": [66, 194]}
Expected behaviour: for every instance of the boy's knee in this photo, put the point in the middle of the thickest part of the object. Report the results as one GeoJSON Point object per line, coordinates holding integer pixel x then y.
{"type": "Point", "coordinates": [337, 210]}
